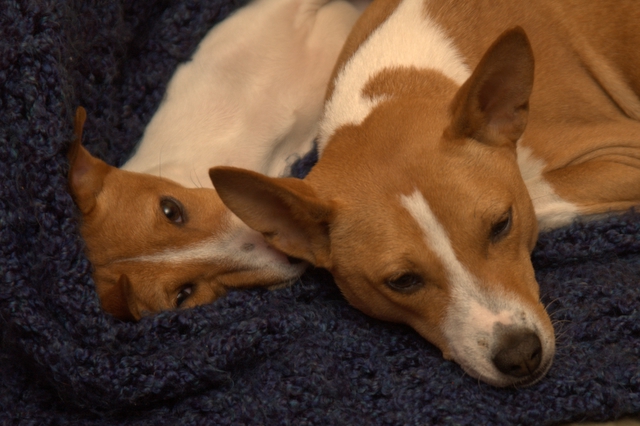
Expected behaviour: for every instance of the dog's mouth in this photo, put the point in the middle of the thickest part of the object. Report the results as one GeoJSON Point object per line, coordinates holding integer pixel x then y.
{"type": "Point", "coordinates": [294, 260]}
{"type": "Point", "coordinates": [501, 382]}
{"type": "Point", "coordinates": [535, 377]}
{"type": "Point", "coordinates": [285, 258]}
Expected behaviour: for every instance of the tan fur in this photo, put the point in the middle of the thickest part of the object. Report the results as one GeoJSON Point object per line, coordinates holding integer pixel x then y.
{"type": "Point", "coordinates": [585, 103]}
{"type": "Point", "coordinates": [574, 48]}
{"type": "Point", "coordinates": [122, 221]}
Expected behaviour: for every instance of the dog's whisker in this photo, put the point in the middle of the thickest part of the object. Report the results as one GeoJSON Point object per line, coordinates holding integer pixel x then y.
{"type": "Point", "coordinates": [560, 336]}
{"type": "Point", "coordinates": [551, 302]}
{"type": "Point", "coordinates": [198, 184]}
{"type": "Point", "coordinates": [194, 179]}
{"type": "Point", "coordinates": [557, 312]}
{"type": "Point", "coordinates": [560, 322]}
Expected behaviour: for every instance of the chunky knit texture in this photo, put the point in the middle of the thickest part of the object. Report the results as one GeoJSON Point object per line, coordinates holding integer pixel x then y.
{"type": "Point", "coordinates": [299, 355]}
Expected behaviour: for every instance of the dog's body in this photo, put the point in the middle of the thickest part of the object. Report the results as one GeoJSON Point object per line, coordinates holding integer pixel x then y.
{"type": "Point", "coordinates": [252, 94]}
{"type": "Point", "coordinates": [429, 193]}
{"type": "Point", "coordinates": [581, 78]}
{"type": "Point", "coordinates": [156, 232]}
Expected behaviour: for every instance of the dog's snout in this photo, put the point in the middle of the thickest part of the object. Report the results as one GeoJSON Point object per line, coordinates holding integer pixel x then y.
{"type": "Point", "coordinates": [518, 354]}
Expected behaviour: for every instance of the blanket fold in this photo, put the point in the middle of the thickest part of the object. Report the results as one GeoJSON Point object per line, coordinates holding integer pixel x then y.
{"type": "Point", "coordinates": [299, 355]}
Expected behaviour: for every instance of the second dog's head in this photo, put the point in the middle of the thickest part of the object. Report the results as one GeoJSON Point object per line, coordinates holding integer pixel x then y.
{"type": "Point", "coordinates": [156, 245]}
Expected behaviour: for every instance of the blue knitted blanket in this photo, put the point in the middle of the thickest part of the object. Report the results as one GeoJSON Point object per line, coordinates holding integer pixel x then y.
{"type": "Point", "coordinates": [299, 355]}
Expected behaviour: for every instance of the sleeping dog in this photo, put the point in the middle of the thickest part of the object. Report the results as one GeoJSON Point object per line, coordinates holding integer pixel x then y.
{"type": "Point", "coordinates": [441, 158]}
{"type": "Point", "coordinates": [156, 232]}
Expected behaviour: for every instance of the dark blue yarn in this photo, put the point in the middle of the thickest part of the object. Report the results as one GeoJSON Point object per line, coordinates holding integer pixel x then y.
{"type": "Point", "coordinates": [299, 355]}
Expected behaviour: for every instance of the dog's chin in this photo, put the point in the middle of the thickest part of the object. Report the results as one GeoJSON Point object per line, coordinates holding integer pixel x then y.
{"type": "Point", "coordinates": [291, 268]}
{"type": "Point", "coordinates": [289, 262]}
{"type": "Point", "coordinates": [283, 284]}
{"type": "Point", "coordinates": [293, 271]}
{"type": "Point", "coordinates": [294, 260]}
{"type": "Point", "coordinates": [502, 381]}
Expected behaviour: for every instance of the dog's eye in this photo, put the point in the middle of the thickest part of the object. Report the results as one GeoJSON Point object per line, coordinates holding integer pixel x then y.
{"type": "Point", "coordinates": [501, 228]}
{"type": "Point", "coordinates": [406, 283]}
{"type": "Point", "coordinates": [184, 293]}
{"type": "Point", "coordinates": [173, 210]}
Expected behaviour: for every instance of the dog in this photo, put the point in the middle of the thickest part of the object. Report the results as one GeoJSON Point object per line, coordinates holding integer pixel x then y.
{"type": "Point", "coordinates": [441, 159]}
{"type": "Point", "coordinates": [156, 232]}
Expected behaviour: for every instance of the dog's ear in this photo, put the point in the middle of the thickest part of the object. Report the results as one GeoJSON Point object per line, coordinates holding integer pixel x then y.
{"type": "Point", "coordinates": [492, 106]}
{"type": "Point", "coordinates": [78, 126]}
{"type": "Point", "coordinates": [86, 173]}
{"type": "Point", "coordinates": [285, 210]}
{"type": "Point", "coordinates": [115, 299]}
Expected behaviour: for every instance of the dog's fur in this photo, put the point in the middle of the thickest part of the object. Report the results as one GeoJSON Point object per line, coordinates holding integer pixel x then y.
{"type": "Point", "coordinates": [441, 159]}
{"type": "Point", "coordinates": [156, 232]}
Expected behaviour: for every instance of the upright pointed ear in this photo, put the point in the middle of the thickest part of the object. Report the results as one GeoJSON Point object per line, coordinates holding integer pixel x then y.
{"type": "Point", "coordinates": [492, 106]}
{"type": "Point", "coordinates": [285, 210]}
{"type": "Point", "coordinates": [116, 299]}
{"type": "Point", "coordinates": [86, 173]}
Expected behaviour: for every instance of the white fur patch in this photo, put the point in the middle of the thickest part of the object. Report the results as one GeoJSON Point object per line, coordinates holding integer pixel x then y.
{"type": "Point", "coordinates": [551, 210]}
{"type": "Point", "coordinates": [408, 38]}
{"type": "Point", "coordinates": [211, 250]}
{"type": "Point", "coordinates": [239, 245]}
{"type": "Point", "coordinates": [436, 238]}
{"type": "Point", "coordinates": [252, 94]}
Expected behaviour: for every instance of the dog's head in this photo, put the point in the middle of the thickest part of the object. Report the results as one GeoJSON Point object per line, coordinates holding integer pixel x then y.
{"type": "Point", "coordinates": [421, 214]}
{"type": "Point", "coordinates": [156, 245]}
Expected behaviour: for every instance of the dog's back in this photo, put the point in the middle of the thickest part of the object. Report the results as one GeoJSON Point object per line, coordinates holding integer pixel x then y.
{"type": "Point", "coordinates": [584, 102]}
{"type": "Point", "coordinates": [251, 96]}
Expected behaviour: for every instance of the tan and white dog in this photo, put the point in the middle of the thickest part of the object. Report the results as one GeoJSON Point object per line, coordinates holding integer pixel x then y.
{"type": "Point", "coordinates": [441, 159]}
{"type": "Point", "coordinates": [156, 232]}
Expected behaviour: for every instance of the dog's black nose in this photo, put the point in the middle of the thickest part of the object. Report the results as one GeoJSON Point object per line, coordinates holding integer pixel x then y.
{"type": "Point", "coordinates": [519, 353]}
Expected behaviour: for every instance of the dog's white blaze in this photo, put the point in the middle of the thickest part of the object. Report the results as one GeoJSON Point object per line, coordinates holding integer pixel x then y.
{"type": "Point", "coordinates": [408, 38]}
{"type": "Point", "coordinates": [472, 316]}
{"type": "Point", "coordinates": [211, 250]}
{"type": "Point", "coordinates": [436, 237]}
{"type": "Point", "coordinates": [229, 247]}
{"type": "Point", "coordinates": [551, 210]}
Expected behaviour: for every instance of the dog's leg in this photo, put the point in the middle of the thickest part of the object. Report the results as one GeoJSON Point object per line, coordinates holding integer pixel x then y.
{"type": "Point", "coordinates": [599, 186]}
{"type": "Point", "coordinates": [599, 182]}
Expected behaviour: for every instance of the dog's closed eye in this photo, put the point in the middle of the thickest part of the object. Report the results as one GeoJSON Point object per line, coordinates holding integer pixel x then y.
{"type": "Point", "coordinates": [405, 283]}
{"type": "Point", "coordinates": [501, 229]}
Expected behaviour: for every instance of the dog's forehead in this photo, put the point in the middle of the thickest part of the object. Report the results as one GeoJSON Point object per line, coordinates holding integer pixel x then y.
{"type": "Point", "coordinates": [460, 256]}
{"type": "Point", "coordinates": [435, 235]}
{"type": "Point", "coordinates": [417, 216]}
{"type": "Point", "coordinates": [138, 197]}
{"type": "Point", "coordinates": [129, 219]}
